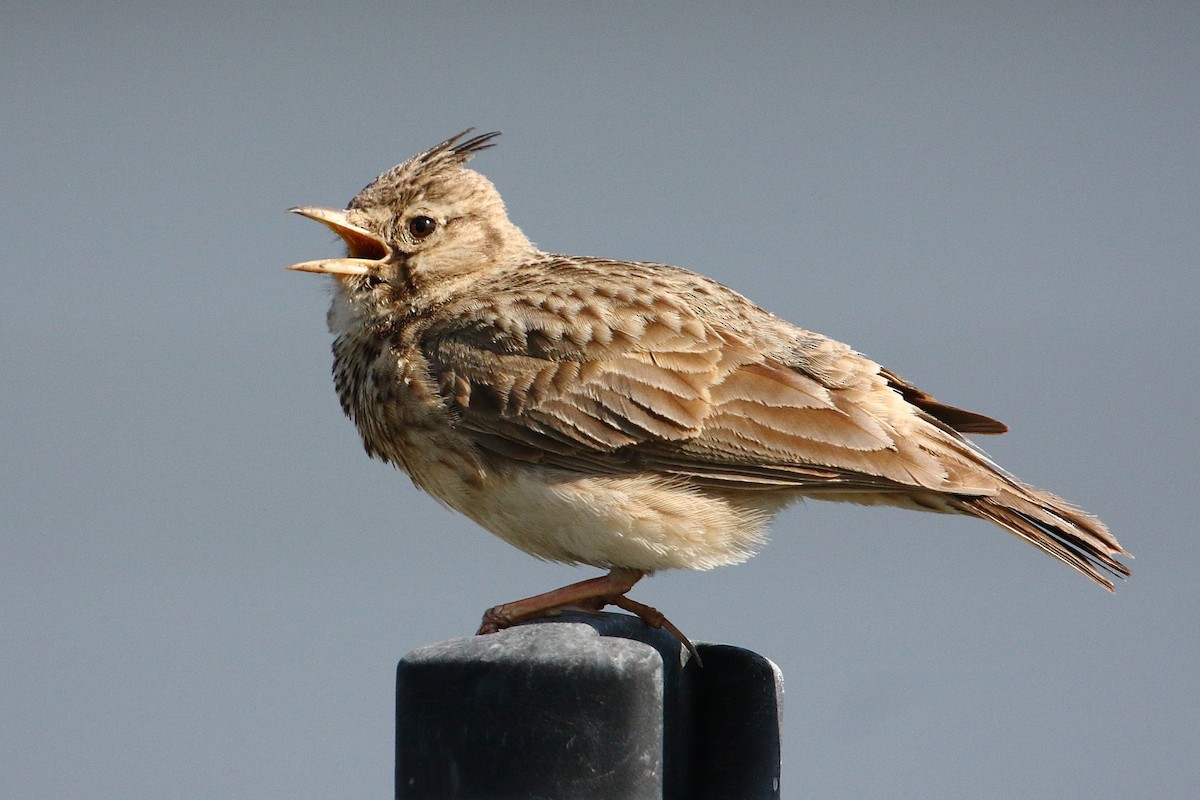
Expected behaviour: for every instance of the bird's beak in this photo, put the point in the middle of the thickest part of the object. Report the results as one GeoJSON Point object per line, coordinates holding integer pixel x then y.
{"type": "Point", "coordinates": [367, 251]}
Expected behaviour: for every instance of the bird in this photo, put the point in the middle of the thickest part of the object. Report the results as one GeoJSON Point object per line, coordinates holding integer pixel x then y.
{"type": "Point", "coordinates": [631, 416]}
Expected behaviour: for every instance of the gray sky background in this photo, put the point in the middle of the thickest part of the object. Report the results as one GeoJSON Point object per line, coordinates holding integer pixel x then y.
{"type": "Point", "coordinates": [205, 584]}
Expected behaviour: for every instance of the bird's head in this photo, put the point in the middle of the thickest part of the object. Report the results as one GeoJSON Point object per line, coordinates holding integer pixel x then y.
{"type": "Point", "coordinates": [427, 223]}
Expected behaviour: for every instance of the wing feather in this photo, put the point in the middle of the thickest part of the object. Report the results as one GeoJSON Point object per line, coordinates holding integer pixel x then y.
{"type": "Point", "coordinates": [607, 380]}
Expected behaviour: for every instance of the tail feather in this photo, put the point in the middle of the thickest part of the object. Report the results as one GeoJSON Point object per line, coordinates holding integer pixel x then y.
{"type": "Point", "coordinates": [1050, 523]}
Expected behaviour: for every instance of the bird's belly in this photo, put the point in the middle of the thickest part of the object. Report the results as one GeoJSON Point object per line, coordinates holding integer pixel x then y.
{"type": "Point", "coordinates": [644, 522]}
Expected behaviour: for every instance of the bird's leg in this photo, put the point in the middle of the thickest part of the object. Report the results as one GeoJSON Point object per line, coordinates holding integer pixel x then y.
{"type": "Point", "coordinates": [592, 595]}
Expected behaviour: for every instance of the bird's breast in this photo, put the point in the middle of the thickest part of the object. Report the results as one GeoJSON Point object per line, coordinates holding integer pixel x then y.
{"type": "Point", "coordinates": [385, 388]}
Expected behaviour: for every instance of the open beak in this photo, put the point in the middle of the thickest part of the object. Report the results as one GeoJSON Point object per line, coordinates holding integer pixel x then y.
{"type": "Point", "coordinates": [367, 251]}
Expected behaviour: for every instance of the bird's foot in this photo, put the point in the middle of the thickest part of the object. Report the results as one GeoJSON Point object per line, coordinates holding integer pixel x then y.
{"type": "Point", "coordinates": [591, 595]}
{"type": "Point", "coordinates": [656, 619]}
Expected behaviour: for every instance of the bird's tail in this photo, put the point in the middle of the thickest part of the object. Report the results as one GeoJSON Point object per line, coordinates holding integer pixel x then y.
{"type": "Point", "coordinates": [1050, 523]}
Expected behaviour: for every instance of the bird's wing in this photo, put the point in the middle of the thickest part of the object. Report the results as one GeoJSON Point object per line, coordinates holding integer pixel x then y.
{"type": "Point", "coordinates": [636, 374]}
{"type": "Point", "coordinates": [959, 419]}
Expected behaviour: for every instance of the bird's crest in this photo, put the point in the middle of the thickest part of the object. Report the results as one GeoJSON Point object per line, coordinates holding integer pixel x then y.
{"type": "Point", "coordinates": [405, 182]}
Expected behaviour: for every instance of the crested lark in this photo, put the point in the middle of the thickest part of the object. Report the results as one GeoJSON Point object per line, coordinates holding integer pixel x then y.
{"type": "Point", "coordinates": [631, 416]}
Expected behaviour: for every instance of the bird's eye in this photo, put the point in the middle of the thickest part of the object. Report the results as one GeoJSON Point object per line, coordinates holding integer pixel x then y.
{"type": "Point", "coordinates": [420, 227]}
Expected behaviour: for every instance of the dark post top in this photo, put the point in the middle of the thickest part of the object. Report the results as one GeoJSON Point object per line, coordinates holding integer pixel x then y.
{"type": "Point", "coordinates": [586, 706]}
